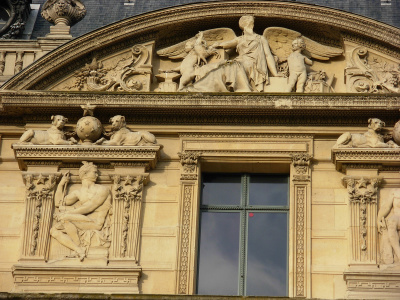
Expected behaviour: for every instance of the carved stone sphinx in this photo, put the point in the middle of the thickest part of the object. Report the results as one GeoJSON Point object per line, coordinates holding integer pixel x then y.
{"type": "Point", "coordinates": [52, 136]}
{"type": "Point", "coordinates": [370, 139]}
{"type": "Point", "coordinates": [123, 136]}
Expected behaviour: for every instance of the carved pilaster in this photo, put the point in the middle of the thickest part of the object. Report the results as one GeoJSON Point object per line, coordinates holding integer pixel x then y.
{"type": "Point", "coordinates": [363, 198]}
{"type": "Point", "coordinates": [39, 202]}
{"type": "Point", "coordinates": [301, 185]}
{"type": "Point", "coordinates": [188, 204]}
{"type": "Point", "coordinates": [127, 206]}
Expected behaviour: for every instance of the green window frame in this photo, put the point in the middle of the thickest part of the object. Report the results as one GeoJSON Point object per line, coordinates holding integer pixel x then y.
{"type": "Point", "coordinates": [247, 209]}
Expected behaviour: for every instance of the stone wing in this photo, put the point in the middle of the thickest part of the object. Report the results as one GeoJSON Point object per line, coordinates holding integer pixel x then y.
{"type": "Point", "coordinates": [211, 36]}
{"type": "Point", "coordinates": [280, 41]}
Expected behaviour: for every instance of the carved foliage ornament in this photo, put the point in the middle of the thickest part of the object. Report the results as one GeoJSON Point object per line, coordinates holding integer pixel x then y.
{"type": "Point", "coordinates": [362, 192]}
{"type": "Point", "coordinates": [67, 12]}
{"type": "Point", "coordinates": [189, 161]}
{"type": "Point", "coordinates": [127, 192]}
{"type": "Point", "coordinates": [39, 203]}
{"type": "Point", "coordinates": [369, 73]}
{"type": "Point", "coordinates": [18, 10]}
{"type": "Point", "coordinates": [301, 162]}
{"type": "Point", "coordinates": [131, 74]}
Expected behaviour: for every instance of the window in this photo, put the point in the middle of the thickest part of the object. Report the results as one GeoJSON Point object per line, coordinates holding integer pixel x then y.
{"type": "Point", "coordinates": [243, 240]}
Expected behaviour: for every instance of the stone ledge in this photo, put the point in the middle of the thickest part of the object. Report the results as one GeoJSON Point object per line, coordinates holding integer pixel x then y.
{"type": "Point", "coordinates": [78, 153]}
{"type": "Point", "coordinates": [368, 157]}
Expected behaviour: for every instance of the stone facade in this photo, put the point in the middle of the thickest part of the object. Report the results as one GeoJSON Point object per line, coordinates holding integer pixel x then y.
{"type": "Point", "coordinates": [109, 202]}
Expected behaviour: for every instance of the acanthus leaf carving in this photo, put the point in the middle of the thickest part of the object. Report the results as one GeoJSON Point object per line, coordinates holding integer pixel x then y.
{"type": "Point", "coordinates": [301, 162]}
{"type": "Point", "coordinates": [67, 12]}
{"type": "Point", "coordinates": [189, 160]}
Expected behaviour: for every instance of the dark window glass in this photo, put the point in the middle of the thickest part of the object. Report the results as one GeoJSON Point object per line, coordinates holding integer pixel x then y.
{"type": "Point", "coordinates": [219, 253]}
{"type": "Point", "coordinates": [268, 190]}
{"type": "Point", "coordinates": [219, 189]}
{"type": "Point", "coordinates": [243, 235]}
{"type": "Point", "coordinates": [266, 254]}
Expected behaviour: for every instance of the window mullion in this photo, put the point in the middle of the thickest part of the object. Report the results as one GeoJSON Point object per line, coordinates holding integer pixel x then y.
{"type": "Point", "coordinates": [243, 232]}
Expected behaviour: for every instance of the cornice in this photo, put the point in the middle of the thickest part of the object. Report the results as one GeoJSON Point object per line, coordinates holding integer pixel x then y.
{"type": "Point", "coordinates": [369, 156]}
{"type": "Point", "coordinates": [39, 74]}
{"type": "Point", "coordinates": [73, 153]}
{"type": "Point", "coordinates": [18, 100]}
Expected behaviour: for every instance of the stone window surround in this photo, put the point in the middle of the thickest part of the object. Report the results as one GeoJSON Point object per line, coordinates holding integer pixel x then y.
{"type": "Point", "coordinates": [268, 159]}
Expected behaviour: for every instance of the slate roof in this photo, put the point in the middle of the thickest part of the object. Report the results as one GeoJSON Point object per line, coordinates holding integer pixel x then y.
{"type": "Point", "coordinates": [104, 12]}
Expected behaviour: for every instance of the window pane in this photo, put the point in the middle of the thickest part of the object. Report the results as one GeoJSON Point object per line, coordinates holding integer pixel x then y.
{"type": "Point", "coordinates": [218, 266]}
{"type": "Point", "coordinates": [268, 190]}
{"type": "Point", "coordinates": [221, 189]}
{"type": "Point", "coordinates": [267, 254]}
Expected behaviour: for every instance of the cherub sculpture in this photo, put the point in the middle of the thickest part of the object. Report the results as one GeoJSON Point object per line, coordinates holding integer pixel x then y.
{"type": "Point", "coordinates": [52, 136]}
{"type": "Point", "coordinates": [297, 66]}
{"type": "Point", "coordinates": [194, 54]}
{"type": "Point", "coordinates": [256, 58]}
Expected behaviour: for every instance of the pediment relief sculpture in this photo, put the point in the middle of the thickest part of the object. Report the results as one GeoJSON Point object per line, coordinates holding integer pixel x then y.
{"type": "Point", "coordinates": [257, 57]}
{"type": "Point", "coordinates": [388, 226]}
{"type": "Point", "coordinates": [130, 72]}
{"type": "Point", "coordinates": [370, 139]}
{"type": "Point", "coordinates": [81, 220]}
{"type": "Point", "coordinates": [371, 73]}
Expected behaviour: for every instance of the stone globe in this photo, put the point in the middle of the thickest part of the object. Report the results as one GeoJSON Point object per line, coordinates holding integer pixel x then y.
{"type": "Point", "coordinates": [396, 133]}
{"type": "Point", "coordinates": [89, 129]}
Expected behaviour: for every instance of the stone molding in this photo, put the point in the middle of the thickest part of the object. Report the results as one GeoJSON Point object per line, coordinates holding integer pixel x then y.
{"type": "Point", "coordinates": [127, 29]}
{"type": "Point", "coordinates": [88, 279]}
{"type": "Point", "coordinates": [73, 153]}
{"type": "Point", "coordinates": [372, 285]}
{"type": "Point", "coordinates": [343, 157]}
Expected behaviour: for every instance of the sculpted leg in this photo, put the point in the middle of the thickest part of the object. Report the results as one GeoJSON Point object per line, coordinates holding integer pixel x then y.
{"type": "Point", "coordinates": [27, 136]}
{"type": "Point", "coordinates": [67, 240]}
{"type": "Point", "coordinates": [300, 82]}
{"type": "Point", "coordinates": [291, 83]}
{"type": "Point", "coordinates": [394, 235]}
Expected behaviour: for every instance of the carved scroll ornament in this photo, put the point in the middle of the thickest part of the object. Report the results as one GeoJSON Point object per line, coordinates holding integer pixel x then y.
{"type": "Point", "coordinates": [131, 74]}
{"type": "Point", "coordinates": [369, 73]}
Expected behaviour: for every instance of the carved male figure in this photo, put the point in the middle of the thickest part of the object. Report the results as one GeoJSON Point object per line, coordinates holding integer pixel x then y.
{"type": "Point", "coordinates": [370, 139]}
{"type": "Point", "coordinates": [52, 136]}
{"type": "Point", "coordinates": [391, 222]}
{"type": "Point", "coordinates": [123, 136]}
{"type": "Point", "coordinates": [297, 66]}
{"type": "Point", "coordinates": [81, 210]}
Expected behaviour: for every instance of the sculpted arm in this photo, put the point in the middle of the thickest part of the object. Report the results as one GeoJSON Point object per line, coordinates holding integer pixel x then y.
{"type": "Point", "coordinates": [91, 205]}
{"type": "Point", "coordinates": [228, 44]}
{"type": "Point", "coordinates": [60, 197]}
{"type": "Point", "coordinates": [308, 61]}
{"type": "Point", "coordinates": [269, 57]}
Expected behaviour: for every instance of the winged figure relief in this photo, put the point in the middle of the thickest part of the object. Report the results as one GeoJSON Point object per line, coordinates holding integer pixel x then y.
{"type": "Point", "coordinates": [194, 53]}
{"type": "Point", "coordinates": [256, 58]}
